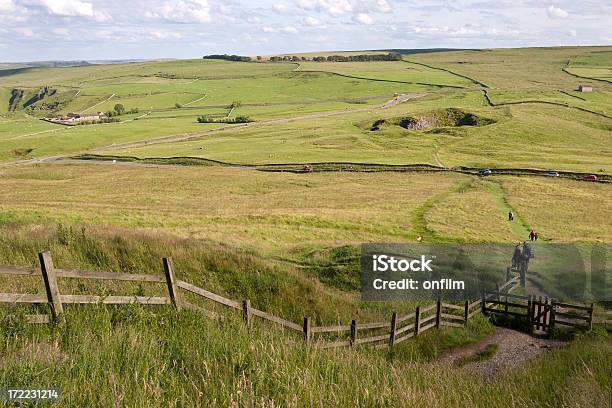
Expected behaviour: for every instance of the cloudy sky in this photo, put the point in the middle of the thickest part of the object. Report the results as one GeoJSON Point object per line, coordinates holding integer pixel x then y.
{"type": "Point", "coordinates": [32, 30]}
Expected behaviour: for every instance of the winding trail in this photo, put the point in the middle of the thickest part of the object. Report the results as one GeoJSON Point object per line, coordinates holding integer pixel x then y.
{"type": "Point", "coordinates": [513, 350]}
{"type": "Point", "coordinates": [99, 103]}
{"type": "Point", "coordinates": [197, 100]}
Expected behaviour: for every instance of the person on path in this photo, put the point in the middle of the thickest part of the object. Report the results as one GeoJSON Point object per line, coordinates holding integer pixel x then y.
{"type": "Point", "coordinates": [517, 256]}
{"type": "Point", "coordinates": [531, 235]}
{"type": "Point", "coordinates": [527, 252]}
{"type": "Point", "coordinates": [536, 236]}
{"type": "Point", "coordinates": [510, 216]}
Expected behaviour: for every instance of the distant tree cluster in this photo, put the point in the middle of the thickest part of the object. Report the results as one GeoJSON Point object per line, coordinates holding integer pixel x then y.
{"type": "Point", "coordinates": [119, 110]}
{"type": "Point", "coordinates": [237, 119]}
{"type": "Point", "coordinates": [392, 56]}
{"type": "Point", "coordinates": [226, 57]}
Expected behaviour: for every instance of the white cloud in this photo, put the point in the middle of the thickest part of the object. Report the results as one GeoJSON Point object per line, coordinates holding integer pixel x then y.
{"type": "Point", "coordinates": [556, 12]}
{"type": "Point", "coordinates": [183, 11]}
{"type": "Point", "coordinates": [311, 21]}
{"type": "Point", "coordinates": [102, 16]}
{"type": "Point", "coordinates": [337, 8]}
{"type": "Point", "coordinates": [383, 6]}
{"type": "Point", "coordinates": [332, 7]}
{"type": "Point", "coordinates": [281, 8]}
{"type": "Point", "coordinates": [68, 8]}
{"type": "Point", "coordinates": [286, 29]}
{"type": "Point", "coordinates": [7, 5]}
{"type": "Point", "coordinates": [364, 18]}
{"type": "Point", "coordinates": [289, 30]}
{"type": "Point", "coordinates": [460, 32]}
{"type": "Point", "coordinates": [163, 35]}
{"type": "Point", "coordinates": [572, 33]}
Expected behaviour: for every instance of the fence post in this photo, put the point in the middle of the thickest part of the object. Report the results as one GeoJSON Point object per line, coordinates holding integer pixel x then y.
{"type": "Point", "coordinates": [540, 314]}
{"type": "Point", "coordinates": [417, 320]}
{"type": "Point", "coordinates": [438, 312]}
{"type": "Point", "coordinates": [530, 314]}
{"type": "Point", "coordinates": [551, 325]}
{"type": "Point", "coordinates": [170, 281]}
{"type": "Point", "coordinates": [246, 311]}
{"type": "Point", "coordinates": [393, 329]}
{"type": "Point", "coordinates": [507, 274]}
{"type": "Point", "coordinates": [307, 333]}
{"type": "Point", "coordinates": [353, 332]}
{"type": "Point", "coordinates": [591, 317]}
{"type": "Point", "coordinates": [484, 303]}
{"type": "Point", "coordinates": [506, 303]}
{"type": "Point", "coordinates": [466, 311]}
{"type": "Point", "coordinates": [53, 293]}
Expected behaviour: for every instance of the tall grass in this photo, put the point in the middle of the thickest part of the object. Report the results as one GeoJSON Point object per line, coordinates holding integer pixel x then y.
{"type": "Point", "coordinates": [156, 357]}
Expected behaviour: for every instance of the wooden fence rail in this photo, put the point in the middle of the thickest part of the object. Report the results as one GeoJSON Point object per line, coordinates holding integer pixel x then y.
{"type": "Point", "coordinates": [379, 334]}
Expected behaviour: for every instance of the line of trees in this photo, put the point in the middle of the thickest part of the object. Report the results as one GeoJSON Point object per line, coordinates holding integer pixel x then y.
{"type": "Point", "coordinates": [226, 57]}
{"type": "Point", "coordinates": [237, 119]}
{"type": "Point", "coordinates": [392, 56]}
{"type": "Point", "coordinates": [119, 110]}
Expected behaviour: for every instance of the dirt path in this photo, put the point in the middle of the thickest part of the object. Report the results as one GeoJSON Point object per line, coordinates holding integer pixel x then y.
{"type": "Point", "coordinates": [101, 102]}
{"type": "Point", "coordinates": [197, 100]}
{"type": "Point", "coordinates": [513, 350]}
{"type": "Point", "coordinates": [180, 138]}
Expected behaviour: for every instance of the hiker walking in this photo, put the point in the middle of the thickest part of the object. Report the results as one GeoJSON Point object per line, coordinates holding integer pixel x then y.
{"type": "Point", "coordinates": [510, 216]}
{"type": "Point", "coordinates": [517, 256]}
{"type": "Point", "coordinates": [535, 235]}
{"type": "Point", "coordinates": [531, 235]}
{"type": "Point", "coordinates": [527, 252]}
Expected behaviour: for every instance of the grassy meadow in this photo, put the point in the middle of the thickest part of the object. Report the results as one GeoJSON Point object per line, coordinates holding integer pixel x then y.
{"type": "Point", "coordinates": [289, 241]}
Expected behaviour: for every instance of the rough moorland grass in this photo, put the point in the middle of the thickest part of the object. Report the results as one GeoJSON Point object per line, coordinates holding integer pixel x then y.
{"type": "Point", "coordinates": [277, 212]}
{"type": "Point", "coordinates": [572, 205]}
{"type": "Point", "coordinates": [556, 137]}
{"type": "Point", "coordinates": [389, 70]}
{"type": "Point", "coordinates": [272, 286]}
{"type": "Point", "coordinates": [527, 68]}
{"type": "Point", "coordinates": [270, 211]}
{"type": "Point", "coordinates": [133, 356]}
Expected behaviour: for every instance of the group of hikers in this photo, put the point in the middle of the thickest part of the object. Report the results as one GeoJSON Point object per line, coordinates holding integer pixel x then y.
{"type": "Point", "coordinates": [533, 235]}
{"type": "Point", "coordinates": [521, 256]}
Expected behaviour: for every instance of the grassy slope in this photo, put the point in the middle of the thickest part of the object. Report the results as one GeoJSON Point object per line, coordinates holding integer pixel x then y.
{"type": "Point", "coordinates": [108, 357]}
{"type": "Point", "coordinates": [279, 211]}
{"type": "Point", "coordinates": [550, 131]}
{"type": "Point", "coordinates": [131, 356]}
{"type": "Point", "coordinates": [394, 71]}
{"type": "Point", "coordinates": [527, 68]}
{"type": "Point", "coordinates": [267, 210]}
{"type": "Point", "coordinates": [159, 85]}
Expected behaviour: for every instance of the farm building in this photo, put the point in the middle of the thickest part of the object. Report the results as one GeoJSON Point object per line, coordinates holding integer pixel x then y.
{"type": "Point", "coordinates": [77, 117]}
{"type": "Point", "coordinates": [585, 88]}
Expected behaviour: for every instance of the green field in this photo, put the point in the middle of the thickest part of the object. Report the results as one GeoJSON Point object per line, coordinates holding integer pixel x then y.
{"type": "Point", "coordinates": [396, 148]}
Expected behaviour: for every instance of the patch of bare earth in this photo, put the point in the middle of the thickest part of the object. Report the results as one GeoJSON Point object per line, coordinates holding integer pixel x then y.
{"type": "Point", "coordinates": [42, 352]}
{"type": "Point", "coordinates": [513, 349]}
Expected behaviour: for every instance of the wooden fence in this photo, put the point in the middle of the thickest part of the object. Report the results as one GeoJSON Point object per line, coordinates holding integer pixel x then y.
{"type": "Point", "coordinates": [380, 334]}
{"type": "Point", "coordinates": [542, 314]}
